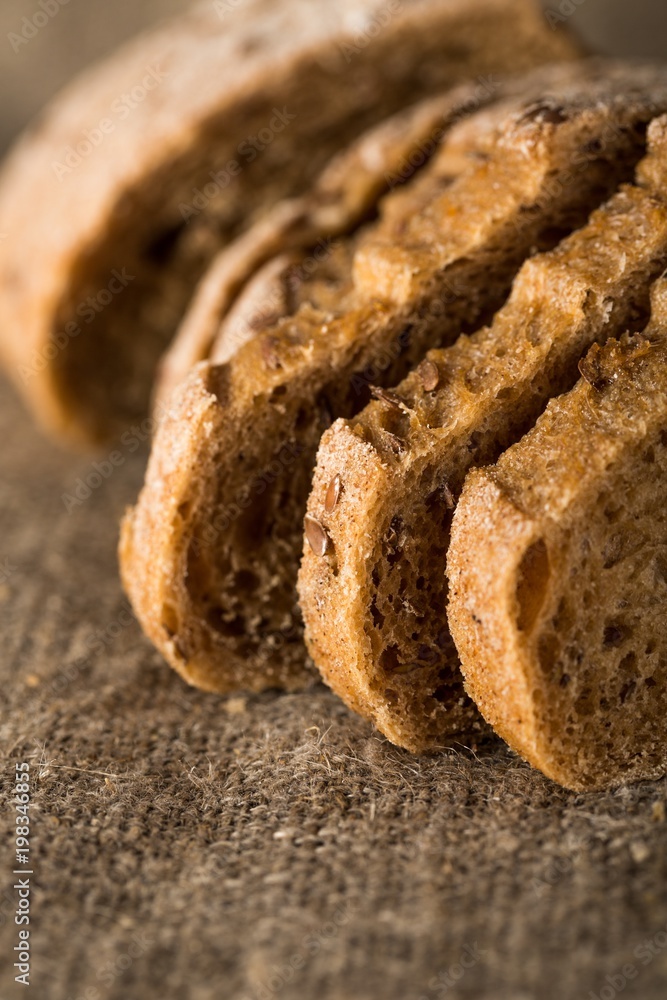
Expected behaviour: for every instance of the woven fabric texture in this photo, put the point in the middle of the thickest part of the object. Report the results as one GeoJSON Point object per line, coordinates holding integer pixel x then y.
{"type": "Point", "coordinates": [191, 846]}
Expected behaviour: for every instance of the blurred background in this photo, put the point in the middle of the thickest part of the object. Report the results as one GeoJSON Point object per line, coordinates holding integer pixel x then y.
{"type": "Point", "coordinates": [33, 69]}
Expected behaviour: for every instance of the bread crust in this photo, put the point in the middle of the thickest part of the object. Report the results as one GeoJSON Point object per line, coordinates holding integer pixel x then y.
{"type": "Point", "coordinates": [402, 466]}
{"type": "Point", "coordinates": [237, 601]}
{"type": "Point", "coordinates": [120, 206]}
{"type": "Point", "coordinates": [551, 598]}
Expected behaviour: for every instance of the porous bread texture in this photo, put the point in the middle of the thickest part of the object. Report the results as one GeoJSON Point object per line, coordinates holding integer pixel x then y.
{"type": "Point", "coordinates": [558, 573]}
{"type": "Point", "coordinates": [210, 553]}
{"type": "Point", "coordinates": [375, 606]}
{"type": "Point", "coordinates": [313, 73]}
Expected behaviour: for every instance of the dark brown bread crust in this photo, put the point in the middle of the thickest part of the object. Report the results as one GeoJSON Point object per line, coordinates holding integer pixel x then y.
{"type": "Point", "coordinates": [73, 218]}
{"type": "Point", "coordinates": [557, 571]}
{"type": "Point", "coordinates": [209, 554]}
{"type": "Point", "coordinates": [375, 604]}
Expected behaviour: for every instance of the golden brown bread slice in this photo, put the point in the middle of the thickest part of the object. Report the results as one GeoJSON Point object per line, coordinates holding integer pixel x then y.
{"type": "Point", "coordinates": [116, 199]}
{"type": "Point", "coordinates": [375, 603]}
{"type": "Point", "coordinates": [558, 573]}
{"type": "Point", "coordinates": [210, 554]}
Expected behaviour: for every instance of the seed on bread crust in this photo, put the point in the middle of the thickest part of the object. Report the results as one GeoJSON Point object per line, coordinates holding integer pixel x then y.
{"type": "Point", "coordinates": [317, 536]}
{"type": "Point", "coordinates": [448, 496]}
{"type": "Point", "coordinates": [270, 353]}
{"type": "Point", "coordinates": [429, 374]}
{"type": "Point", "coordinates": [544, 111]}
{"type": "Point", "coordinates": [333, 493]}
{"type": "Point", "coordinates": [387, 397]}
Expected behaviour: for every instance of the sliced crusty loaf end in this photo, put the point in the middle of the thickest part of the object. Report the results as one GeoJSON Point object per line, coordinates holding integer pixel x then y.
{"type": "Point", "coordinates": [558, 574]}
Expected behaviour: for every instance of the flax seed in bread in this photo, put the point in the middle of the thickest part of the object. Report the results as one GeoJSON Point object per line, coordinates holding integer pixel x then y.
{"type": "Point", "coordinates": [558, 572]}
{"type": "Point", "coordinates": [375, 604]}
{"type": "Point", "coordinates": [210, 553]}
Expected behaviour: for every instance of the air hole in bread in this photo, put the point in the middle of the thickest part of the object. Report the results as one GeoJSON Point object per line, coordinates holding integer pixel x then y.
{"type": "Point", "coordinates": [532, 585]}
{"type": "Point", "coordinates": [223, 624]}
{"type": "Point", "coordinates": [170, 620]}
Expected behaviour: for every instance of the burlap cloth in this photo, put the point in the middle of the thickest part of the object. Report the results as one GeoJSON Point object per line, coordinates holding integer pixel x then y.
{"type": "Point", "coordinates": [190, 846]}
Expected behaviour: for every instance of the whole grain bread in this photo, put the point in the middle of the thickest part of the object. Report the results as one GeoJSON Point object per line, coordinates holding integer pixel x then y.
{"type": "Point", "coordinates": [118, 196]}
{"type": "Point", "coordinates": [558, 573]}
{"type": "Point", "coordinates": [375, 604]}
{"type": "Point", "coordinates": [210, 553]}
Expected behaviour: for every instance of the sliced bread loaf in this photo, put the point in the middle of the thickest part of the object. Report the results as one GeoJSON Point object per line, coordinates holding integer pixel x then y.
{"type": "Point", "coordinates": [558, 574]}
{"type": "Point", "coordinates": [210, 554]}
{"type": "Point", "coordinates": [375, 602]}
{"type": "Point", "coordinates": [116, 199]}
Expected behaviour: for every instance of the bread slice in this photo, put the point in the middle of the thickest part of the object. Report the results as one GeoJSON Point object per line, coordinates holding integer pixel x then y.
{"type": "Point", "coordinates": [246, 284]}
{"type": "Point", "coordinates": [558, 571]}
{"type": "Point", "coordinates": [117, 198]}
{"type": "Point", "coordinates": [210, 554]}
{"type": "Point", "coordinates": [375, 604]}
